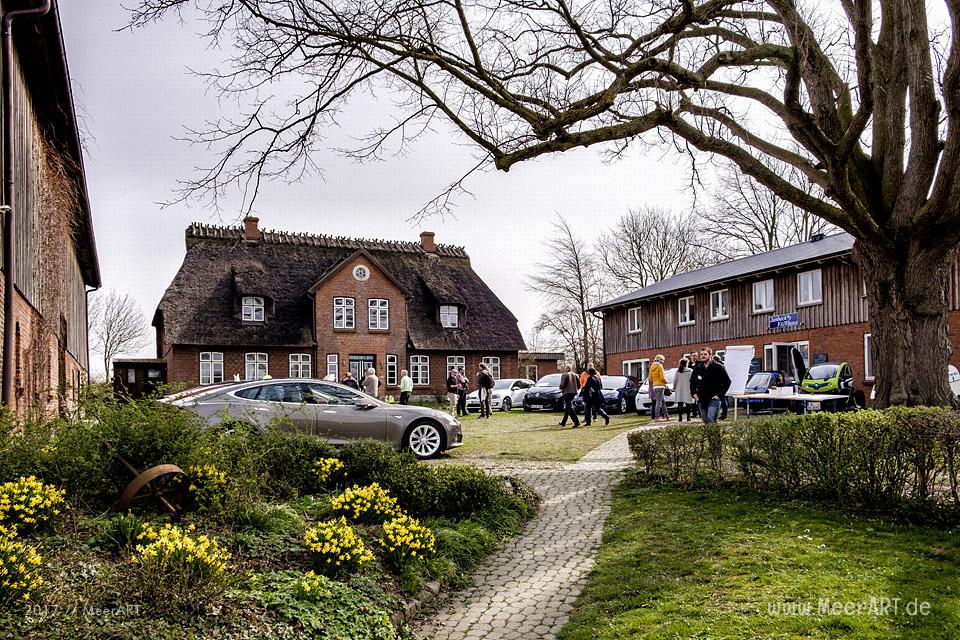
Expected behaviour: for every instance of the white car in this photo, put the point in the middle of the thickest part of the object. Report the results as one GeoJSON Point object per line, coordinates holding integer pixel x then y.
{"type": "Point", "coordinates": [644, 403]}
{"type": "Point", "coordinates": [507, 394]}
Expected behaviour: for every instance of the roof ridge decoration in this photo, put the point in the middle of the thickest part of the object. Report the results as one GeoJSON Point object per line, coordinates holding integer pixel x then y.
{"type": "Point", "coordinates": [201, 230]}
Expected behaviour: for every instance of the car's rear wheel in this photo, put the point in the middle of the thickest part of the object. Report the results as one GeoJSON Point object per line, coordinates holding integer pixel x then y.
{"type": "Point", "coordinates": [623, 405]}
{"type": "Point", "coordinates": [425, 440]}
{"type": "Point", "coordinates": [506, 405]}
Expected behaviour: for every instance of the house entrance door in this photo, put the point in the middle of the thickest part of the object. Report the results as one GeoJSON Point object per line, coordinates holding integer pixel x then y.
{"type": "Point", "coordinates": [359, 365]}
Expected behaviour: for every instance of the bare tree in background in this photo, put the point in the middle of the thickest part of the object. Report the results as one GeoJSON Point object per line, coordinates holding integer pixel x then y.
{"type": "Point", "coordinates": [570, 285]}
{"type": "Point", "coordinates": [743, 217]}
{"type": "Point", "coordinates": [117, 326]}
{"type": "Point", "coordinates": [861, 97]}
{"type": "Point", "coordinates": [649, 244]}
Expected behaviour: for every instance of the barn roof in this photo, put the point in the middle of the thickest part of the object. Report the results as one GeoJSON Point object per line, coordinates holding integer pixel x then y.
{"type": "Point", "coordinates": [811, 251]}
{"type": "Point", "coordinates": [198, 308]}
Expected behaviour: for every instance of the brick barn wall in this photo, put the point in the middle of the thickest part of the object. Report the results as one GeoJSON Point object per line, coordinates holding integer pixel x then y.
{"type": "Point", "coordinates": [841, 343]}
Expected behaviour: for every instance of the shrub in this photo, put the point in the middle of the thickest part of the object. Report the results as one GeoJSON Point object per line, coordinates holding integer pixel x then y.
{"type": "Point", "coordinates": [406, 541]}
{"type": "Point", "coordinates": [335, 548]}
{"type": "Point", "coordinates": [19, 578]}
{"type": "Point", "coordinates": [28, 503]}
{"type": "Point", "coordinates": [179, 570]}
{"type": "Point", "coordinates": [369, 461]}
{"type": "Point", "coordinates": [462, 490]}
{"type": "Point", "coordinates": [894, 460]}
{"type": "Point", "coordinates": [370, 504]}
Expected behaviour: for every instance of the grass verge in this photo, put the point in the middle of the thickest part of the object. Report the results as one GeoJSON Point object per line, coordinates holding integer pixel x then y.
{"type": "Point", "coordinates": [679, 563]}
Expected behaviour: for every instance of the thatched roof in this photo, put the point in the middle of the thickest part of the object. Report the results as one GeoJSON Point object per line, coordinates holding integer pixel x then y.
{"type": "Point", "coordinates": [200, 305]}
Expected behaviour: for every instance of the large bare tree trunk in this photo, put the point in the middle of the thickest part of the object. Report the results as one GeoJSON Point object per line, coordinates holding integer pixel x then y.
{"type": "Point", "coordinates": [906, 288]}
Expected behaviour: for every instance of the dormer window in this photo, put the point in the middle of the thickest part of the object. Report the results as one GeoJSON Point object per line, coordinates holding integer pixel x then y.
{"type": "Point", "coordinates": [449, 316]}
{"type": "Point", "coordinates": [253, 309]}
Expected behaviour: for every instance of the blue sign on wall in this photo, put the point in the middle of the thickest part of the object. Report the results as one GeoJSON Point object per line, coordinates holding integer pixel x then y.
{"type": "Point", "coordinates": [785, 321]}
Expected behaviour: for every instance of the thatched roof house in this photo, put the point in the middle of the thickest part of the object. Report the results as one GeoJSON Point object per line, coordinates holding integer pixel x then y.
{"type": "Point", "coordinates": [242, 290]}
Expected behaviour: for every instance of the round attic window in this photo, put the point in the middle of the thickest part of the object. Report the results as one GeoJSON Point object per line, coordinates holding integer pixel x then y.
{"type": "Point", "coordinates": [361, 272]}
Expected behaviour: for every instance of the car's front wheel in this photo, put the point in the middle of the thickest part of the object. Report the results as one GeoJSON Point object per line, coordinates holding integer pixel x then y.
{"type": "Point", "coordinates": [506, 405]}
{"type": "Point", "coordinates": [425, 440]}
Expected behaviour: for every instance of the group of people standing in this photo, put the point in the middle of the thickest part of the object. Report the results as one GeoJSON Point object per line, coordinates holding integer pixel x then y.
{"type": "Point", "coordinates": [589, 386]}
{"type": "Point", "coordinates": [700, 386]}
{"type": "Point", "coordinates": [370, 384]}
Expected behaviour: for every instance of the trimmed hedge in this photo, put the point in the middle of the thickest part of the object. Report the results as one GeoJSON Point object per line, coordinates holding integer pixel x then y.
{"type": "Point", "coordinates": [881, 460]}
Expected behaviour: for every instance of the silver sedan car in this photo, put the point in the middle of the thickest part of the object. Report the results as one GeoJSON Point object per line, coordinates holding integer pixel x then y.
{"type": "Point", "coordinates": [330, 410]}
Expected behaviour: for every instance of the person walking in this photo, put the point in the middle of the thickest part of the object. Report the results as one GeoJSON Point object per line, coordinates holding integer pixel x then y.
{"type": "Point", "coordinates": [681, 390]}
{"type": "Point", "coordinates": [723, 400]}
{"type": "Point", "coordinates": [696, 377]}
{"type": "Point", "coordinates": [569, 385]}
{"type": "Point", "coordinates": [713, 386]}
{"type": "Point", "coordinates": [463, 386]}
{"type": "Point", "coordinates": [406, 387]}
{"type": "Point", "coordinates": [453, 395]}
{"type": "Point", "coordinates": [658, 387]}
{"type": "Point", "coordinates": [350, 381]}
{"type": "Point", "coordinates": [583, 383]}
{"type": "Point", "coordinates": [484, 389]}
{"type": "Point", "coordinates": [593, 398]}
{"type": "Point", "coordinates": [371, 384]}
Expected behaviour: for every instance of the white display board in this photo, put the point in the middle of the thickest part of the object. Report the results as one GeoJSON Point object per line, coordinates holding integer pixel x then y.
{"type": "Point", "coordinates": [737, 359]}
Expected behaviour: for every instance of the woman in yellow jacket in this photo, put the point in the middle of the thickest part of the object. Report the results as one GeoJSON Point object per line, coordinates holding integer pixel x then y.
{"type": "Point", "coordinates": [658, 388]}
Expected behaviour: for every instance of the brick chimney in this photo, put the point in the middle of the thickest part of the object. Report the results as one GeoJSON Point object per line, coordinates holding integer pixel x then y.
{"type": "Point", "coordinates": [251, 232]}
{"type": "Point", "coordinates": [427, 243]}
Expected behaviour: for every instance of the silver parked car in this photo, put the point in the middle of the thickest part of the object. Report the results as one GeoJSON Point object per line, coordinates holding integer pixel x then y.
{"type": "Point", "coordinates": [507, 394]}
{"type": "Point", "coordinates": [327, 409]}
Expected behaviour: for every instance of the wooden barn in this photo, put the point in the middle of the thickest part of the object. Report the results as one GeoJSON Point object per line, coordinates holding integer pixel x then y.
{"type": "Point", "coordinates": [49, 253]}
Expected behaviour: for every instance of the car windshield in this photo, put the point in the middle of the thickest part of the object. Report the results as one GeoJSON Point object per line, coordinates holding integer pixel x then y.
{"type": "Point", "coordinates": [549, 381]}
{"type": "Point", "coordinates": [614, 382]}
{"type": "Point", "coordinates": [503, 384]}
{"type": "Point", "coordinates": [759, 380]}
{"type": "Point", "coordinates": [823, 372]}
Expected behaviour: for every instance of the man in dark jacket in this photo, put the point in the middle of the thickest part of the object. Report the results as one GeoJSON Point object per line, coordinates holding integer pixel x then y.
{"type": "Point", "coordinates": [712, 387]}
{"type": "Point", "coordinates": [569, 385]}
{"type": "Point", "coordinates": [698, 366]}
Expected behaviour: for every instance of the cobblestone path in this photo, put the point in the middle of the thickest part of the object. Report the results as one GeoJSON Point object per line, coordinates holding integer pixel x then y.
{"type": "Point", "coordinates": [526, 589]}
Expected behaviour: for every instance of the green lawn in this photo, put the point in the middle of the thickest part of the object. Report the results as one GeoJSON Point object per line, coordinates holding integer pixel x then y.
{"type": "Point", "coordinates": [518, 435]}
{"type": "Point", "coordinates": [679, 563]}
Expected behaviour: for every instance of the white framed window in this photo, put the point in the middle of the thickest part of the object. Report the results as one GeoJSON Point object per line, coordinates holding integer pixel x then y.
{"type": "Point", "coordinates": [639, 369]}
{"type": "Point", "coordinates": [804, 348]}
{"type": "Point", "coordinates": [391, 370]}
{"type": "Point", "coordinates": [131, 376]}
{"type": "Point", "coordinates": [493, 364]}
{"type": "Point", "coordinates": [763, 296]}
{"type": "Point", "coordinates": [720, 304]}
{"type": "Point", "coordinates": [456, 362]}
{"type": "Point", "coordinates": [252, 309]}
{"type": "Point", "coordinates": [300, 365]}
{"type": "Point", "coordinates": [333, 365]}
{"type": "Point", "coordinates": [344, 313]}
{"type": "Point", "coordinates": [809, 287]}
{"type": "Point", "coordinates": [769, 357]}
{"type": "Point", "coordinates": [685, 311]}
{"type": "Point", "coordinates": [449, 316]}
{"type": "Point", "coordinates": [255, 366]}
{"type": "Point", "coordinates": [633, 320]}
{"type": "Point", "coordinates": [868, 356]}
{"type": "Point", "coordinates": [532, 371]}
{"type": "Point", "coordinates": [211, 367]}
{"type": "Point", "coordinates": [420, 370]}
{"type": "Point", "coordinates": [378, 314]}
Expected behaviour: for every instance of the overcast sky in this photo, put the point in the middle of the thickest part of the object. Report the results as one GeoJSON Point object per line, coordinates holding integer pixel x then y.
{"type": "Point", "coordinates": [136, 96]}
